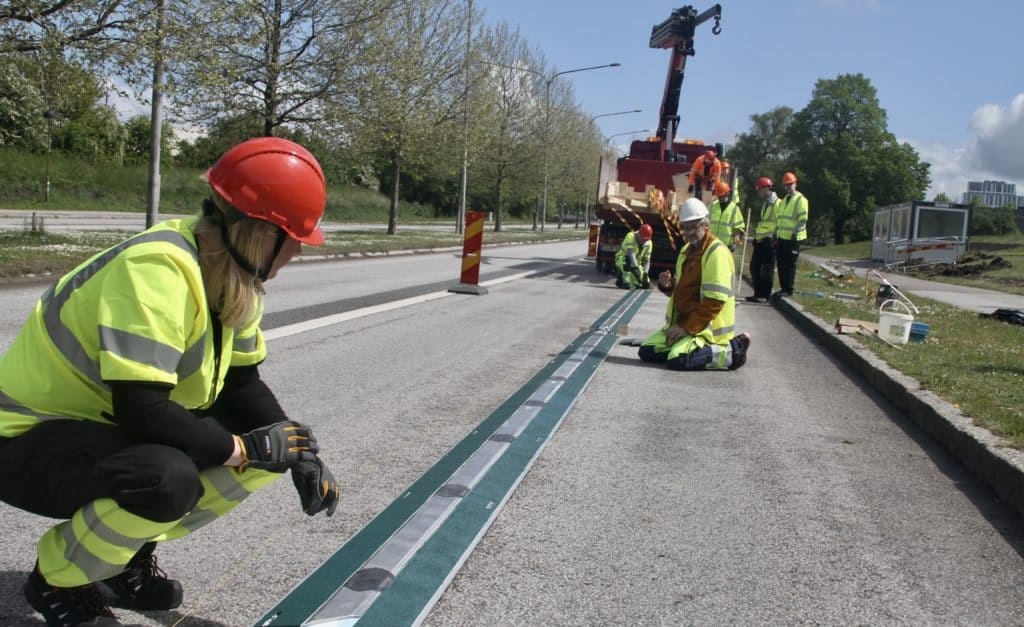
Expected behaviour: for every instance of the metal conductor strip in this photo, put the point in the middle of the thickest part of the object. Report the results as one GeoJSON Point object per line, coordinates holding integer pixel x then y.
{"type": "Point", "coordinates": [540, 412]}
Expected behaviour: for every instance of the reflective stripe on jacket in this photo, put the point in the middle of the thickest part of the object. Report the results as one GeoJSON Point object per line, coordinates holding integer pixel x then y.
{"type": "Point", "coordinates": [135, 312]}
{"type": "Point", "coordinates": [725, 221]}
{"type": "Point", "coordinates": [767, 221]}
{"type": "Point", "coordinates": [792, 217]}
{"type": "Point", "coordinates": [641, 252]}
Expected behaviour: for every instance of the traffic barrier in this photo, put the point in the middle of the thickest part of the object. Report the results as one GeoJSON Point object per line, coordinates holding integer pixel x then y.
{"type": "Point", "coordinates": [472, 243]}
{"type": "Point", "coordinates": [592, 243]}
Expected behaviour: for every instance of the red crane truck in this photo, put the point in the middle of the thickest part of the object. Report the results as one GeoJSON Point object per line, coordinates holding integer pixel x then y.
{"type": "Point", "coordinates": [647, 186]}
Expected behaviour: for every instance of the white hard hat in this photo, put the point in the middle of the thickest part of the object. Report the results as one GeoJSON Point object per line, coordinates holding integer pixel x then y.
{"type": "Point", "coordinates": [692, 209]}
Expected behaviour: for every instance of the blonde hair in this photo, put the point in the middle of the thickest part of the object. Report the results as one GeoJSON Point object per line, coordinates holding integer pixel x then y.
{"type": "Point", "coordinates": [235, 294]}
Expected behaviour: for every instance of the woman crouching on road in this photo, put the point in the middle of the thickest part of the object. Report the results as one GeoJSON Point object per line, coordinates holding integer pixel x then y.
{"type": "Point", "coordinates": [131, 403]}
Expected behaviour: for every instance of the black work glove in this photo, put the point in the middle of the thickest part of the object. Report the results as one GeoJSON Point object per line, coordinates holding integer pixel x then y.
{"type": "Point", "coordinates": [316, 486]}
{"type": "Point", "coordinates": [278, 447]}
{"type": "Point", "coordinates": [689, 189]}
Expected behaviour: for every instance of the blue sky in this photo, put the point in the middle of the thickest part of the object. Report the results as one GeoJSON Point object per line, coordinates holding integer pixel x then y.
{"type": "Point", "coordinates": [949, 74]}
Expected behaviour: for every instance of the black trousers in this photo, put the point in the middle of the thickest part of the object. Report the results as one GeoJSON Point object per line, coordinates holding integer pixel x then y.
{"type": "Point", "coordinates": [60, 465]}
{"type": "Point", "coordinates": [762, 267]}
{"type": "Point", "coordinates": [786, 254]}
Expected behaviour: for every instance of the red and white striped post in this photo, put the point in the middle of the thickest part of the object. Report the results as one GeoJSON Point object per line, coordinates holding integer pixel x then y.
{"type": "Point", "coordinates": [472, 244]}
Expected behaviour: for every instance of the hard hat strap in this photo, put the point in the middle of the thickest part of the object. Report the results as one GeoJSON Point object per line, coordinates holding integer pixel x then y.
{"type": "Point", "coordinates": [234, 215]}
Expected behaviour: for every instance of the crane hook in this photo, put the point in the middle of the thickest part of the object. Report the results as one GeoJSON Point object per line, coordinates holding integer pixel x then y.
{"type": "Point", "coordinates": [717, 28]}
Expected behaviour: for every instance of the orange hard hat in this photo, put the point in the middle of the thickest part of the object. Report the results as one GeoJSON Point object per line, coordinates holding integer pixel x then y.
{"type": "Point", "coordinates": [709, 155]}
{"type": "Point", "coordinates": [722, 188]}
{"type": "Point", "coordinates": [646, 232]}
{"type": "Point", "coordinates": [276, 180]}
{"type": "Point", "coordinates": [763, 182]}
{"type": "Point", "coordinates": [788, 178]}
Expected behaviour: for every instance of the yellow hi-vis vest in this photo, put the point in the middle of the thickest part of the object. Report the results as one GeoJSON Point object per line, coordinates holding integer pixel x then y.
{"type": "Point", "coordinates": [643, 252]}
{"type": "Point", "coordinates": [135, 312]}
{"type": "Point", "coordinates": [725, 220]}
{"type": "Point", "coordinates": [717, 268]}
{"type": "Point", "coordinates": [766, 223]}
{"type": "Point", "coordinates": [792, 217]}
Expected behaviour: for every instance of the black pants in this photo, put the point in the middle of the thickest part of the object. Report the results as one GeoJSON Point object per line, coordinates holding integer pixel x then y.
{"type": "Point", "coordinates": [58, 466]}
{"type": "Point", "coordinates": [786, 254]}
{"type": "Point", "coordinates": [762, 267]}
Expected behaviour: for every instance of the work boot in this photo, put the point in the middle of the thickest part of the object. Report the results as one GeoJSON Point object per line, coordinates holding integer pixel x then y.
{"type": "Point", "coordinates": [781, 294]}
{"type": "Point", "coordinates": [756, 299]}
{"type": "Point", "coordinates": [81, 606]}
{"type": "Point", "coordinates": [142, 585]}
{"type": "Point", "coordinates": [739, 350]}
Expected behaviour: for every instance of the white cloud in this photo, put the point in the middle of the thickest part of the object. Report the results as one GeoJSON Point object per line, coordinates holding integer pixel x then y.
{"type": "Point", "coordinates": [1000, 143]}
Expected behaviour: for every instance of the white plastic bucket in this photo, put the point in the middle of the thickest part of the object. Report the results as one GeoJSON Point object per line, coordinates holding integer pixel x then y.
{"type": "Point", "coordinates": [893, 325]}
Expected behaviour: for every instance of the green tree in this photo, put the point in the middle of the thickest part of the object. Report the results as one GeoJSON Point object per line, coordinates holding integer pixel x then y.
{"type": "Point", "coordinates": [96, 135]}
{"type": "Point", "coordinates": [763, 151]}
{"type": "Point", "coordinates": [409, 92]}
{"type": "Point", "coordinates": [942, 197]}
{"type": "Point", "coordinates": [275, 60]}
{"type": "Point", "coordinates": [847, 160]}
{"type": "Point", "coordinates": [511, 105]}
{"type": "Point", "coordinates": [137, 139]}
{"type": "Point", "coordinates": [91, 28]}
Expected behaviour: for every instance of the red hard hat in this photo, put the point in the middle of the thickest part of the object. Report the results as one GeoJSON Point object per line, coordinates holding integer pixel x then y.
{"type": "Point", "coordinates": [646, 232]}
{"type": "Point", "coordinates": [788, 178]}
{"type": "Point", "coordinates": [763, 182]}
{"type": "Point", "coordinates": [721, 188]}
{"type": "Point", "coordinates": [277, 180]}
{"type": "Point", "coordinates": [709, 155]}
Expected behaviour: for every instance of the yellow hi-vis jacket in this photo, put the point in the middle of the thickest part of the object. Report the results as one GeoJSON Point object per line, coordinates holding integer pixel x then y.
{"type": "Point", "coordinates": [769, 212]}
{"type": "Point", "coordinates": [716, 276]}
{"type": "Point", "coordinates": [791, 218]}
{"type": "Point", "coordinates": [135, 312]}
{"type": "Point", "coordinates": [642, 252]}
{"type": "Point", "coordinates": [725, 220]}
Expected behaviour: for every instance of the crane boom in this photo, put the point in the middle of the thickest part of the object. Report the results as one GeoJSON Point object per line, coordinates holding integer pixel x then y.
{"type": "Point", "coordinates": [677, 33]}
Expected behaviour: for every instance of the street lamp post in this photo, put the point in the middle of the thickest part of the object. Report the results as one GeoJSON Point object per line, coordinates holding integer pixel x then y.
{"type": "Point", "coordinates": [49, 115]}
{"type": "Point", "coordinates": [605, 115]}
{"type": "Point", "coordinates": [547, 129]}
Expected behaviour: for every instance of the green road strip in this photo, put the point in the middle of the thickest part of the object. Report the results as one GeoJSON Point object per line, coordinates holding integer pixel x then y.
{"type": "Point", "coordinates": [396, 567]}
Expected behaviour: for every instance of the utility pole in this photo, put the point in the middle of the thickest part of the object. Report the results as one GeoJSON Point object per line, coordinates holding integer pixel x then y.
{"type": "Point", "coordinates": [461, 218]}
{"type": "Point", "coordinates": [155, 122]}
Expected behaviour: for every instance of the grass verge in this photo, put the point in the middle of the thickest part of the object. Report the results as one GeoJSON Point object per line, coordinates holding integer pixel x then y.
{"type": "Point", "coordinates": [971, 362]}
{"type": "Point", "coordinates": [27, 254]}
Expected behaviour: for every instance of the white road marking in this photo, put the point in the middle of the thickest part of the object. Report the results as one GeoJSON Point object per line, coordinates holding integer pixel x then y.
{"type": "Point", "coordinates": [319, 323]}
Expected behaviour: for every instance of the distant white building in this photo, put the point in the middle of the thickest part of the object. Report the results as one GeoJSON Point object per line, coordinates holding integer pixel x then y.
{"type": "Point", "coordinates": [993, 194]}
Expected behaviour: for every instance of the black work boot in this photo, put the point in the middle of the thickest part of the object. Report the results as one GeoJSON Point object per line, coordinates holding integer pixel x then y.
{"type": "Point", "coordinates": [81, 606]}
{"type": "Point", "coordinates": [740, 345]}
{"type": "Point", "coordinates": [142, 585]}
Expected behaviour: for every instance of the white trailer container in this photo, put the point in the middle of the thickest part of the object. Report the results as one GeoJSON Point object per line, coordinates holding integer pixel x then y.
{"type": "Point", "coordinates": [929, 232]}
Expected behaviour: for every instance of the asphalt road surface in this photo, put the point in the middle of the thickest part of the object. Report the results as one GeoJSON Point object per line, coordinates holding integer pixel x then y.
{"type": "Point", "coordinates": [784, 492]}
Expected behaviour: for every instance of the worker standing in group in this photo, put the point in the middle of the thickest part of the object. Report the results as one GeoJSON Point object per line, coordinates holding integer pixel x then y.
{"type": "Point", "coordinates": [727, 222]}
{"type": "Point", "coordinates": [790, 230]}
{"type": "Point", "coordinates": [706, 171]}
{"type": "Point", "coordinates": [633, 259]}
{"type": "Point", "coordinates": [762, 262]}
{"type": "Point", "coordinates": [699, 321]}
{"type": "Point", "coordinates": [131, 403]}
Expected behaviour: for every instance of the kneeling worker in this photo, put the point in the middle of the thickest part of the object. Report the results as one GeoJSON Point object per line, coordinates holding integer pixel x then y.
{"type": "Point", "coordinates": [633, 259]}
{"type": "Point", "coordinates": [699, 328]}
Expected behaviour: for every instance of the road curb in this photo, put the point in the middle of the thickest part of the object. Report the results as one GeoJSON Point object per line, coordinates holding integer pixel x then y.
{"type": "Point", "coordinates": [983, 454]}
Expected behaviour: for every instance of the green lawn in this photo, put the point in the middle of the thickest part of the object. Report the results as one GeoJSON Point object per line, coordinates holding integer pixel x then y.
{"type": "Point", "coordinates": [973, 363]}
{"type": "Point", "coordinates": [31, 254]}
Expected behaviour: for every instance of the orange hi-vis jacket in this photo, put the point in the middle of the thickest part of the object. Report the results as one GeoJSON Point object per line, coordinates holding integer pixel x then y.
{"type": "Point", "coordinates": [708, 174]}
